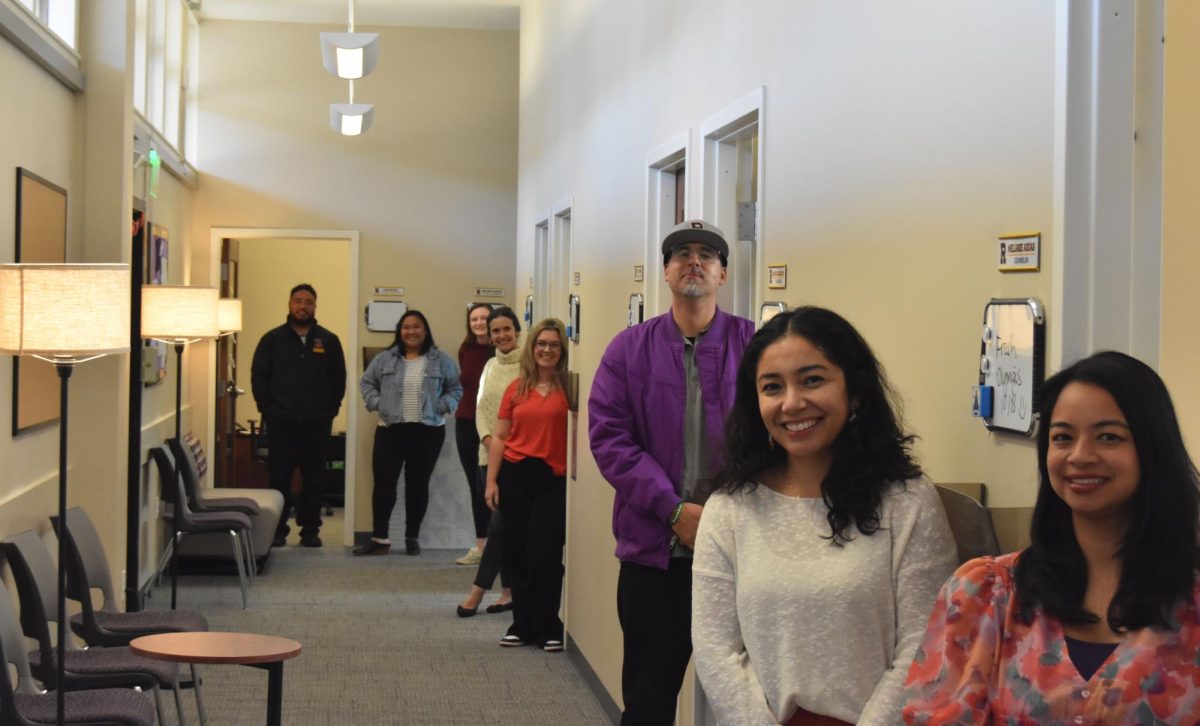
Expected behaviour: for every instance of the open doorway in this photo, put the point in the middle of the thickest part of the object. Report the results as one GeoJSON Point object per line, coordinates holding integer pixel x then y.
{"type": "Point", "coordinates": [261, 266]}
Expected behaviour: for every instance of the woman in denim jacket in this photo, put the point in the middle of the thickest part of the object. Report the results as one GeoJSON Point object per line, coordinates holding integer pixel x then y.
{"type": "Point", "coordinates": [413, 386]}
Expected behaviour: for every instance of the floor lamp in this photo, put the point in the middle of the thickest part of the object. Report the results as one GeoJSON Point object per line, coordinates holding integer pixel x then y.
{"type": "Point", "coordinates": [229, 322]}
{"type": "Point", "coordinates": [64, 314]}
{"type": "Point", "coordinates": [178, 315]}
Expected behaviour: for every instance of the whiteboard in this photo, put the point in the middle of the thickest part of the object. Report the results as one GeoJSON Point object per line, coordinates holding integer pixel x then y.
{"type": "Point", "coordinates": [1012, 362]}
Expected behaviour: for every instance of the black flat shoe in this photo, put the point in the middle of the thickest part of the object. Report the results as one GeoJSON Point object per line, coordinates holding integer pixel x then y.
{"type": "Point", "coordinates": [371, 547]}
{"type": "Point", "coordinates": [466, 612]}
{"type": "Point", "coordinates": [499, 607]}
{"type": "Point", "coordinates": [411, 546]}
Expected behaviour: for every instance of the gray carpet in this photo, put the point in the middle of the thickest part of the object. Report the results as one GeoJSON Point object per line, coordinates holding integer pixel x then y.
{"type": "Point", "coordinates": [382, 645]}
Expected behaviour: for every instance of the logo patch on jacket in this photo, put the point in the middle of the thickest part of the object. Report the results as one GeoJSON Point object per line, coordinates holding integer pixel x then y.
{"type": "Point", "coordinates": [318, 345]}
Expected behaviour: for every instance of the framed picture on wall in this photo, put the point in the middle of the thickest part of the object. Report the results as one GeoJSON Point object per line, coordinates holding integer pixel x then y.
{"type": "Point", "coordinates": [41, 236]}
{"type": "Point", "coordinates": [157, 251]}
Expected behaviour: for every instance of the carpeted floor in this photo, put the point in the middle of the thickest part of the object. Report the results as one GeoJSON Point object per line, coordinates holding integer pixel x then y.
{"type": "Point", "coordinates": [382, 645]}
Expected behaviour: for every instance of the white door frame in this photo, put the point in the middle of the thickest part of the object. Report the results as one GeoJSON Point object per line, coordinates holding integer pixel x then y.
{"type": "Point", "coordinates": [350, 348]}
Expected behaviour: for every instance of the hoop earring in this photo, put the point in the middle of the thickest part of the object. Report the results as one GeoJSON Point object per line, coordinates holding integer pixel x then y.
{"type": "Point", "coordinates": [853, 416]}
{"type": "Point", "coordinates": [770, 443]}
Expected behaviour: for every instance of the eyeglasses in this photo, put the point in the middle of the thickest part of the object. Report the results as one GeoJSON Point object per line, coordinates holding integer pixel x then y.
{"type": "Point", "coordinates": [706, 255]}
{"type": "Point", "coordinates": [547, 344]}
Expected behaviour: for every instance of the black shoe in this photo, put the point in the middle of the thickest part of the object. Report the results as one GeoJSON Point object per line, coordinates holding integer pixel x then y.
{"type": "Point", "coordinates": [466, 612]}
{"type": "Point", "coordinates": [411, 546]}
{"type": "Point", "coordinates": [499, 607]}
{"type": "Point", "coordinates": [311, 540]}
{"type": "Point", "coordinates": [371, 547]}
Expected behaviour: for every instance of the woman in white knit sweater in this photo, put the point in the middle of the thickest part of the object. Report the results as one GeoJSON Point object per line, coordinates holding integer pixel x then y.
{"type": "Point", "coordinates": [818, 559]}
{"type": "Point", "coordinates": [498, 373]}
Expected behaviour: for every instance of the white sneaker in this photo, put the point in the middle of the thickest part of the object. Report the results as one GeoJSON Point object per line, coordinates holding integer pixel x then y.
{"type": "Point", "coordinates": [473, 556]}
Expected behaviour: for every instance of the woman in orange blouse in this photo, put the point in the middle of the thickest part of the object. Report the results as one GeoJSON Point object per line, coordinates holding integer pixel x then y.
{"type": "Point", "coordinates": [527, 481]}
{"type": "Point", "coordinates": [1098, 621]}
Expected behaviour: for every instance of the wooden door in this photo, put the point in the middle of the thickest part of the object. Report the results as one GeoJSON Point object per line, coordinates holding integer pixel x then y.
{"type": "Point", "coordinates": [225, 472]}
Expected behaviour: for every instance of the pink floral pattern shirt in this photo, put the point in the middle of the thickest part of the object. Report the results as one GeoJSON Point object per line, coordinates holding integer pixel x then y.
{"type": "Point", "coordinates": [981, 664]}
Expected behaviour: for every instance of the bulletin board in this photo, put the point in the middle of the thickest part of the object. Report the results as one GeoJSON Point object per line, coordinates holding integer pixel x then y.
{"type": "Point", "coordinates": [1012, 362]}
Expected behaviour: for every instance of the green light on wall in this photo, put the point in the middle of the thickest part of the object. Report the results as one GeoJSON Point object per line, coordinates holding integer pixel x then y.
{"type": "Point", "coordinates": [155, 166]}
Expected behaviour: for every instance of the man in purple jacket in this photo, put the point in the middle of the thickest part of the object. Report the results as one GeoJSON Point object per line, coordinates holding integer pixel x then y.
{"type": "Point", "coordinates": [656, 422]}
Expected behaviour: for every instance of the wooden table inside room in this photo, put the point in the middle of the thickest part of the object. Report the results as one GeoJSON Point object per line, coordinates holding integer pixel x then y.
{"type": "Point", "coordinates": [259, 651]}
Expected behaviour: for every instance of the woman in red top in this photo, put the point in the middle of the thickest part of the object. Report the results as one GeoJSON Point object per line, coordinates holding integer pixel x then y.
{"type": "Point", "coordinates": [473, 353]}
{"type": "Point", "coordinates": [526, 480]}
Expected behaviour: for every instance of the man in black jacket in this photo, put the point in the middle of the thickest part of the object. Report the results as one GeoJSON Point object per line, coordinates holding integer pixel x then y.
{"type": "Point", "coordinates": [298, 378]}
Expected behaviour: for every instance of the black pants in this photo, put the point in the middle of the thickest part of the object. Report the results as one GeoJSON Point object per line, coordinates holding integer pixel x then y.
{"type": "Point", "coordinates": [655, 610]}
{"type": "Point", "coordinates": [533, 502]}
{"type": "Point", "coordinates": [466, 440]}
{"type": "Point", "coordinates": [305, 445]}
{"type": "Point", "coordinates": [413, 448]}
{"type": "Point", "coordinates": [490, 563]}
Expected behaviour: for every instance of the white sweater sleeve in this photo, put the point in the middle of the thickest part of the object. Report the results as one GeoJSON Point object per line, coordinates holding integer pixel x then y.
{"type": "Point", "coordinates": [729, 681]}
{"type": "Point", "coordinates": [923, 557]}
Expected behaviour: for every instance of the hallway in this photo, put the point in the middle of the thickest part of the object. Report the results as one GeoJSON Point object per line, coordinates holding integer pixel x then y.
{"type": "Point", "coordinates": [382, 646]}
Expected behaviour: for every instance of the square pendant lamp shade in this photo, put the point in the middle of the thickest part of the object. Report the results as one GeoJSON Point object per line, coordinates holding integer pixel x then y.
{"type": "Point", "coordinates": [68, 311]}
{"type": "Point", "coordinates": [229, 315]}
{"type": "Point", "coordinates": [350, 55]}
{"type": "Point", "coordinates": [179, 313]}
{"type": "Point", "coordinates": [350, 119]}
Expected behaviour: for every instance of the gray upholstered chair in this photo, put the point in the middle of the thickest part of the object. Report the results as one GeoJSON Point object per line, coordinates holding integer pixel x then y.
{"type": "Point", "coordinates": [971, 524]}
{"type": "Point", "coordinates": [114, 667]}
{"type": "Point", "coordinates": [184, 520]}
{"type": "Point", "coordinates": [23, 703]}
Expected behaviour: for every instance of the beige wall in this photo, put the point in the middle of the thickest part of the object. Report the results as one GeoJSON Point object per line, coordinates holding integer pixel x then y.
{"type": "Point", "coordinates": [431, 187]}
{"type": "Point", "coordinates": [38, 115]}
{"type": "Point", "coordinates": [1181, 218]}
{"type": "Point", "coordinates": [269, 268]}
{"type": "Point", "coordinates": [899, 144]}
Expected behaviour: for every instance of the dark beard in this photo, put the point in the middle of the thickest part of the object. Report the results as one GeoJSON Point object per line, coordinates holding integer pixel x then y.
{"type": "Point", "coordinates": [300, 323]}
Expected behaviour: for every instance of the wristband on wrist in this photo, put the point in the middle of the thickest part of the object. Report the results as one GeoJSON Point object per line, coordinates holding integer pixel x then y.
{"type": "Point", "coordinates": [675, 514]}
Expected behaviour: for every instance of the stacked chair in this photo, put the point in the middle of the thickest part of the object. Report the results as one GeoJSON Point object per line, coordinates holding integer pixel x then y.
{"type": "Point", "coordinates": [87, 569]}
{"type": "Point", "coordinates": [94, 668]}
{"type": "Point", "coordinates": [25, 704]}
{"type": "Point", "coordinates": [185, 520]}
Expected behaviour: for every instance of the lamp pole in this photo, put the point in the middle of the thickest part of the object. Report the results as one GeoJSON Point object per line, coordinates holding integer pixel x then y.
{"type": "Point", "coordinates": [175, 481]}
{"type": "Point", "coordinates": [64, 369]}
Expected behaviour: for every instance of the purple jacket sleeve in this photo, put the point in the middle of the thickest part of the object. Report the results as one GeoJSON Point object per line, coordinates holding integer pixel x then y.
{"type": "Point", "coordinates": [613, 429]}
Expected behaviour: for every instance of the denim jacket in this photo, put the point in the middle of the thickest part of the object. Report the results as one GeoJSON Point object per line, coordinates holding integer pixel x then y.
{"type": "Point", "coordinates": [382, 387]}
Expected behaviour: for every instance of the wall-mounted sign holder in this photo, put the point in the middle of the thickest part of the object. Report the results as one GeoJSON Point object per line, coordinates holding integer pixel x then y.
{"type": "Point", "coordinates": [383, 315]}
{"type": "Point", "coordinates": [768, 310]}
{"type": "Point", "coordinates": [1011, 365]}
{"type": "Point", "coordinates": [637, 309]}
{"type": "Point", "coordinates": [573, 318]}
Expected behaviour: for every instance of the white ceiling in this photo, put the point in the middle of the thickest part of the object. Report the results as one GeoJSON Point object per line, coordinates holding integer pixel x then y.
{"type": "Point", "coordinates": [476, 14]}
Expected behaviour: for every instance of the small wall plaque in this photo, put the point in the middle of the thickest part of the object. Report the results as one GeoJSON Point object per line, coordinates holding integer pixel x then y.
{"type": "Point", "coordinates": [777, 277]}
{"type": "Point", "coordinates": [489, 292]}
{"type": "Point", "coordinates": [389, 291]}
{"type": "Point", "coordinates": [576, 279]}
{"type": "Point", "coordinates": [639, 273]}
{"type": "Point", "coordinates": [1020, 252]}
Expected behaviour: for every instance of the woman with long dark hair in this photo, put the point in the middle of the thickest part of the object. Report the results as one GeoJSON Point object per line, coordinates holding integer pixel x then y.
{"type": "Point", "coordinates": [413, 386]}
{"type": "Point", "coordinates": [820, 553]}
{"type": "Point", "coordinates": [527, 482]}
{"type": "Point", "coordinates": [473, 353]}
{"type": "Point", "coordinates": [1098, 620]}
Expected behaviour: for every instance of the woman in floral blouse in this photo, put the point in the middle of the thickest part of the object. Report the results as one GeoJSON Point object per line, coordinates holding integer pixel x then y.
{"type": "Point", "coordinates": [1098, 621]}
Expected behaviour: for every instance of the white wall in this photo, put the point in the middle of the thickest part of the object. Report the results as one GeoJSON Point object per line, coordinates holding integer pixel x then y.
{"type": "Point", "coordinates": [901, 139]}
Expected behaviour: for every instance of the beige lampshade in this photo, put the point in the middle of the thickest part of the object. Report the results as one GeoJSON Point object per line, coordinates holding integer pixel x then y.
{"type": "Point", "coordinates": [65, 310]}
{"type": "Point", "coordinates": [179, 313]}
{"type": "Point", "coordinates": [229, 315]}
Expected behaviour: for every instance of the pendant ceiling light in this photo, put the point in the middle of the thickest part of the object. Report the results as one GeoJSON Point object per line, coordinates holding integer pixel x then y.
{"type": "Point", "coordinates": [350, 55]}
